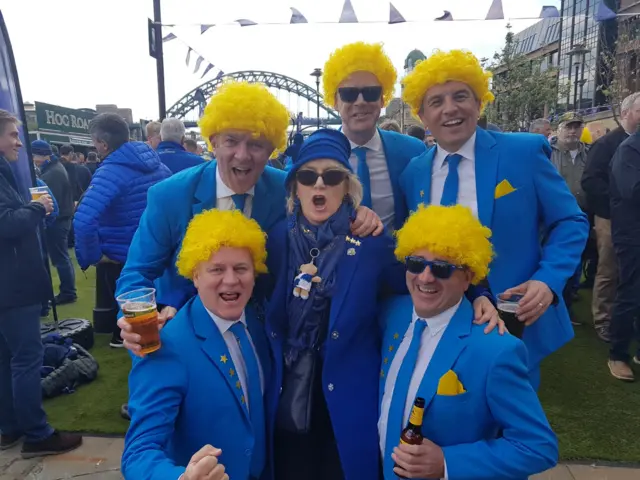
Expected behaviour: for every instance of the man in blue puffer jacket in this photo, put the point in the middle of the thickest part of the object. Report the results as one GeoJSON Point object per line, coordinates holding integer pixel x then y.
{"type": "Point", "coordinates": [109, 212]}
{"type": "Point", "coordinates": [171, 151]}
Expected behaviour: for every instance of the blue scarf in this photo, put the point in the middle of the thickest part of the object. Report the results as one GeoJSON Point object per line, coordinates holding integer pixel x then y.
{"type": "Point", "coordinates": [306, 317]}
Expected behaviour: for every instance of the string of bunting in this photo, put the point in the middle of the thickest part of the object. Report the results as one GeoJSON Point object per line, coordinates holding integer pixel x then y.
{"type": "Point", "coordinates": [200, 59]}
{"type": "Point", "coordinates": [348, 15]}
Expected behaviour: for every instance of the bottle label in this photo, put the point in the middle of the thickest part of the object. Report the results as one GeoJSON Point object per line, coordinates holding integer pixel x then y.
{"type": "Point", "coordinates": [402, 442]}
{"type": "Point", "coordinates": [416, 416]}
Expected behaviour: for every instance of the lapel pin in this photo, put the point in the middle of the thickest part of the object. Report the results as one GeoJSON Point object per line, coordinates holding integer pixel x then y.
{"type": "Point", "coordinates": [421, 193]}
{"type": "Point", "coordinates": [351, 252]}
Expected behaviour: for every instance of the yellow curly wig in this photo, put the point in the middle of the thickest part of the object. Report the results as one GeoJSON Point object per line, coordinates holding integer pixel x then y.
{"type": "Point", "coordinates": [211, 230]}
{"type": "Point", "coordinates": [443, 67]}
{"type": "Point", "coordinates": [451, 232]}
{"type": "Point", "coordinates": [358, 57]}
{"type": "Point", "coordinates": [246, 106]}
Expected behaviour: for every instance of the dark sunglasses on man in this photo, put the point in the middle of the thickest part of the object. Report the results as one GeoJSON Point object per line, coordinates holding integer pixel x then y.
{"type": "Point", "coordinates": [330, 178]}
{"type": "Point", "coordinates": [351, 94]}
{"type": "Point", "coordinates": [439, 268]}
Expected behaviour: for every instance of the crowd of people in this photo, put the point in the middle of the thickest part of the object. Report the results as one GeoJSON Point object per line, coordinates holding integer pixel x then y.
{"type": "Point", "coordinates": [304, 309]}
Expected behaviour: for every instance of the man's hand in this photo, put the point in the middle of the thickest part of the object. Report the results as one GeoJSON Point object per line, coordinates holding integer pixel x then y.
{"type": "Point", "coordinates": [537, 298]}
{"type": "Point", "coordinates": [485, 312]}
{"type": "Point", "coordinates": [46, 201]}
{"type": "Point", "coordinates": [204, 465]}
{"type": "Point", "coordinates": [367, 223]}
{"type": "Point", "coordinates": [419, 461]}
{"type": "Point", "coordinates": [131, 341]}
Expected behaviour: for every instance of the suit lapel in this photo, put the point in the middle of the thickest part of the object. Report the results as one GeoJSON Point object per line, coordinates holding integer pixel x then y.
{"type": "Point", "coordinates": [394, 334]}
{"type": "Point", "coordinates": [257, 331]}
{"type": "Point", "coordinates": [205, 194]}
{"type": "Point", "coordinates": [346, 269]}
{"type": "Point", "coordinates": [214, 347]}
{"type": "Point", "coordinates": [423, 178]}
{"type": "Point", "coordinates": [394, 168]}
{"type": "Point", "coordinates": [487, 158]}
{"type": "Point", "coordinates": [451, 344]}
{"type": "Point", "coordinates": [260, 205]}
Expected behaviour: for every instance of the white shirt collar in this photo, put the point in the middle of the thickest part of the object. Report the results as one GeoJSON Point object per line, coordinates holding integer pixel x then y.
{"type": "Point", "coordinates": [374, 144]}
{"type": "Point", "coordinates": [224, 325]}
{"type": "Point", "coordinates": [468, 151]}
{"type": "Point", "coordinates": [439, 322]}
{"type": "Point", "coordinates": [222, 191]}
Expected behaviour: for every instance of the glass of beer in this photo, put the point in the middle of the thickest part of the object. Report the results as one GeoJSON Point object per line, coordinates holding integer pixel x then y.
{"type": "Point", "coordinates": [507, 306]}
{"type": "Point", "coordinates": [37, 192]}
{"type": "Point", "coordinates": [140, 310]}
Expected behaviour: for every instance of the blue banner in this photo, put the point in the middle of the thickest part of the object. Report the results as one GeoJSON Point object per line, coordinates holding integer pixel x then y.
{"type": "Point", "coordinates": [11, 100]}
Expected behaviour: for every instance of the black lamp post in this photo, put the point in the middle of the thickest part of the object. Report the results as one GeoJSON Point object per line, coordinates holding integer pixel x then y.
{"type": "Point", "coordinates": [577, 55]}
{"type": "Point", "coordinates": [317, 73]}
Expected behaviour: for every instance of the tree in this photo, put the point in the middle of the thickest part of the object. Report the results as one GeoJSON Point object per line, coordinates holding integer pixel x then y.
{"type": "Point", "coordinates": [525, 89]}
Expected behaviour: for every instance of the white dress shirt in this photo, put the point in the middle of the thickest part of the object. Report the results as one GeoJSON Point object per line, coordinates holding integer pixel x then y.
{"type": "Point", "coordinates": [236, 353]}
{"type": "Point", "coordinates": [466, 173]}
{"type": "Point", "coordinates": [224, 194]}
{"type": "Point", "coordinates": [380, 181]}
{"type": "Point", "coordinates": [431, 336]}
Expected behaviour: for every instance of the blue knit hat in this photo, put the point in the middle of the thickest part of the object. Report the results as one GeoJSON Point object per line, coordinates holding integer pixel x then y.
{"type": "Point", "coordinates": [40, 147]}
{"type": "Point", "coordinates": [322, 144]}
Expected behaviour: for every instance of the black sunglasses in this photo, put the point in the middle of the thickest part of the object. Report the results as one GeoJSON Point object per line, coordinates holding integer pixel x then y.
{"type": "Point", "coordinates": [330, 178]}
{"type": "Point", "coordinates": [439, 269]}
{"type": "Point", "coordinates": [351, 94]}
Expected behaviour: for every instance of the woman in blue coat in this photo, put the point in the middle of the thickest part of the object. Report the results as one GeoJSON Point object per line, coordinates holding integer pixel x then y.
{"type": "Point", "coordinates": [322, 405]}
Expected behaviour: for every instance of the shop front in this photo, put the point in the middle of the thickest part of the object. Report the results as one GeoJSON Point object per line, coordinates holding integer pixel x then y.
{"type": "Point", "coordinates": [60, 125]}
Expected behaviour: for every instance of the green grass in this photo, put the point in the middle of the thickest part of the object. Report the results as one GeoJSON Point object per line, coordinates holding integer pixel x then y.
{"type": "Point", "coordinates": [594, 415]}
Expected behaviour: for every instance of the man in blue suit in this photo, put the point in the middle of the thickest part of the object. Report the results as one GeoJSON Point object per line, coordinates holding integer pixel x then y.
{"type": "Point", "coordinates": [359, 79]}
{"type": "Point", "coordinates": [205, 386]}
{"type": "Point", "coordinates": [171, 150]}
{"type": "Point", "coordinates": [482, 418]}
{"type": "Point", "coordinates": [509, 183]}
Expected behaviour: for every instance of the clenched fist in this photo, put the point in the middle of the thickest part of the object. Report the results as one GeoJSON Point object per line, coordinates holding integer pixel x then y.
{"type": "Point", "coordinates": [204, 465]}
{"type": "Point", "coordinates": [46, 201]}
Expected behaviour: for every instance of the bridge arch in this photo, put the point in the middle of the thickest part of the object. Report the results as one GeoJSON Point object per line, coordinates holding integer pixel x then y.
{"type": "Point", "coordinates": [194, 99]}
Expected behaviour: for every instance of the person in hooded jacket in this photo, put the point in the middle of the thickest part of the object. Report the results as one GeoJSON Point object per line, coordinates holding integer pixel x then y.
{"type": "Point", "coordinates": [110, 211]}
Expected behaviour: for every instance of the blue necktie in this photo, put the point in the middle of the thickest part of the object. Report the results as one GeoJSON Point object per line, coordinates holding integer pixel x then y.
{"type": "Point", "coordinates": [363, 175]}
{"type": "Point", "coordinates": [256, 406]}
{"type": "Point", "coordinates": [450, 191]}
{"type": "Point", "coordinates": [398, 400]}
{"type": "Point", "coordinates": [239, 200]}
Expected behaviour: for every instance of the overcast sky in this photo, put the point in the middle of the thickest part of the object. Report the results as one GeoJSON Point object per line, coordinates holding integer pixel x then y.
{"type": "Point", "coordinates": [78, 53]}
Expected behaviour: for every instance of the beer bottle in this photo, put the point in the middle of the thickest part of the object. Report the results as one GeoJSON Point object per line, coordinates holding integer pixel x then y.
{"type": "Point", "coordinates": [412, 434]}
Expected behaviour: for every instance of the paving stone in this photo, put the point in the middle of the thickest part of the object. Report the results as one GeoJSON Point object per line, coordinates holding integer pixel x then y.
{"type": "Point", "coordinates": [96, 455]}
{"type": "Point", "coordinates": [586, 472]}
{"type": "Point", "coordinates": [561, 472]}
{"type": "Point", "coordinates": [21, 466]}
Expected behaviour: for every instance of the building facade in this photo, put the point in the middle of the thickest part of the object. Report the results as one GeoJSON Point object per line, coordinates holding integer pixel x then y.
{"type": "Point", "coordinates": [584, 42]}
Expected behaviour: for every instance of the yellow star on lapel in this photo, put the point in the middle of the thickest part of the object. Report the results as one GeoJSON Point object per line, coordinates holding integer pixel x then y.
{"type": "Point", "coordinates": [396, 336]}
{"type": "Point", "coordinates": [224, 359]}
{"type": "Point", "coordinates": [391, 348]}
{"type": "Point", "coordinates": [421, 193]}
{"type": "Point", "coordinates": [386, 360]}
{"type": "Point", "coordinates": [232, 372]}
{"type": "Point", "coordinates": [358, 243]}
{"type": "Point", "coordinates": [381, 373]}
{"type": "Point", "coordinates": [242, 399]}
{"type": "Point", "coordinates": [238, 384]}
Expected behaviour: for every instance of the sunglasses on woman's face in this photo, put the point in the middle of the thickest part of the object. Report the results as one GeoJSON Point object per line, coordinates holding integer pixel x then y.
{"type": "Point", "coordinates": [330, 178]}
{"type": "Point", "coordinates": [351, 94]}
{"type": "Point", "coordinates": [439, 269]}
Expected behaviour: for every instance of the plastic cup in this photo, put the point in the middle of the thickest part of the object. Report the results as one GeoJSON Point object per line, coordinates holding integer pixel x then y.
{"type": "Point", "coordinates": [507, 307]}
{"type": "Point", "coordinates": [140, 309]}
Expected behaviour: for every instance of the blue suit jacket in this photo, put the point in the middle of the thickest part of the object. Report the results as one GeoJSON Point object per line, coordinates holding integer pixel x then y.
{"type": "Point", "coordinates": [541, 197]}
{"type": "Point", "coordinates": [498, 397]}
{"type": "Point", "coordinates": [170, 207]}
{"type": "Point", "coordinates": [176, 157]}
{"type": "Point", "coordinates": [352, 348]}
{"type": "Point", "coordinates": [184, 396]}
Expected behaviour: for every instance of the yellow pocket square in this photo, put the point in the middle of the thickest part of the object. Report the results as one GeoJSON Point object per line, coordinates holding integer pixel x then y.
{"type": "Point", "coordinates": [450, 385]}
{"type": "Point", "coordinates": [503, 188]}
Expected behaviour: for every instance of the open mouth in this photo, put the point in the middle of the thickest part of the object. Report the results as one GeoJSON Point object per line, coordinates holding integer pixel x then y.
{"type": "Point", "coordinates": [241, 171]}
{"type": "Point", "coordinates": [426, 289]}
{"type": "Point", "coordinates": [361, 115]}
{"type": "Point", "coordinates": [230, 297]}
{"type": "Point", "coordinates": [319, 201]}
{"type": "Point", "coordinates": [453, 123]}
